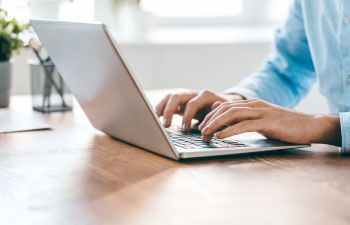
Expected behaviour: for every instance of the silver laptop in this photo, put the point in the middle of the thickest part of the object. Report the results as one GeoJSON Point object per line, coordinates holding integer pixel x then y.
{"type": "Point", "coordinates": [94, 69]}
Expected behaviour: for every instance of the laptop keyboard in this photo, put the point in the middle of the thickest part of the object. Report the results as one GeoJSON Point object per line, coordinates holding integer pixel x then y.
{"type": "Point", "coordinates": [193, 140]}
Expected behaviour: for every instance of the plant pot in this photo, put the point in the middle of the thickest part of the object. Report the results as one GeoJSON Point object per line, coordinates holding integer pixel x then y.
{"type": "Point", "coordinates": [49, 92]}
{"type": "Point", "coordinates": [5, 83]}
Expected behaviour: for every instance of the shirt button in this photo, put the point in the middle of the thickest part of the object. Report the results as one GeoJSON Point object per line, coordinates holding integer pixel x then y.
{"type": "Point", "coordinates": [346, 20]}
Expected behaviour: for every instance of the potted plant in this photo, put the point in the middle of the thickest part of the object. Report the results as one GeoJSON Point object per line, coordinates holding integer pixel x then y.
{"type": "Point", "coordinates": [10, 31]}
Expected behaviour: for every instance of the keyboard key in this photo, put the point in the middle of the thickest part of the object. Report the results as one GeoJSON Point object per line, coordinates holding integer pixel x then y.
{"type": "Point", "coordinates": [193, 140]}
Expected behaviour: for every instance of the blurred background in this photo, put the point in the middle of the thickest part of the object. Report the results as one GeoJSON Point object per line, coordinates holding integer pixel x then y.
{"type": "Point", "coordinates": [197, 44]}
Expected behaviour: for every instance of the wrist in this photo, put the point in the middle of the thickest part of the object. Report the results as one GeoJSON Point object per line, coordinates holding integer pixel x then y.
{"type": "Point", "coordinates": [326, 130]}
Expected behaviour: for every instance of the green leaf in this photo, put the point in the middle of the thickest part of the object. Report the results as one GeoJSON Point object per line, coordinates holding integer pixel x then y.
{"type": "Point", "coordinates": [6, 46]}
{"type": "Point", "coordinates": [10, 31]}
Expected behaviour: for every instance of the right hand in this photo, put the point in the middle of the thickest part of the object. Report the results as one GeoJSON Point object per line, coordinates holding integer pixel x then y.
{"type": "Point", "coordinates": [192, 105]}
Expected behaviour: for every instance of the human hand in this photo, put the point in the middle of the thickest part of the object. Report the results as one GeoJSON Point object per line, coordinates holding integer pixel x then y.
{"type": "Point", "coordinates": [272, 121]}
{"type": "Point", "coordinates": [190, 104]}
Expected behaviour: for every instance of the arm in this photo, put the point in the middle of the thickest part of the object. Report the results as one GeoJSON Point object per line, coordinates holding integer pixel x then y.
{"type": "Point", "coordinates": [272, 121]}
{"type": "Point", "coordinates": [284, 79]}
{"type": "Point", "coordinates": [288, 73]}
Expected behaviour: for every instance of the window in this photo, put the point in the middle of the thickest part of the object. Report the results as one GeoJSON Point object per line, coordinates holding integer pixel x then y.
{"type": "Point", "coordinates": [16, 8]}
{"type": "Point", "coordinates": [193, 8]}
{"type": "Point", "coordinates": [207, 12]}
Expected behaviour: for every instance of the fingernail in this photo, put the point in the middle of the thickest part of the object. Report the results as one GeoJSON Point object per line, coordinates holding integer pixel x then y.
{"type": "Point", "coordinates": [165, 122]}
{"type": "Point", "coordinates": [205, 138]}
{"type": "Point", "coordinates": [183, 127]}
{"type": "Point", "coordinates": [218, 134]}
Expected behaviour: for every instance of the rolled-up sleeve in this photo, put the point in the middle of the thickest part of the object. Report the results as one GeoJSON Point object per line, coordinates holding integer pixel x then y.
{"type": "Point", "coordinates": [345, 132]}
{"type": "Point", "coordinates": [288, 73]}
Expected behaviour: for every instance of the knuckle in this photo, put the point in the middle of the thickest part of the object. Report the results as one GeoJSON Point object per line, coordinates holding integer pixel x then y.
{"type": "Point", "coordinates": [175, 96]}
{"type": "Point", "coordinates": [225, 103]}
{"type": "Point", "coordinates": [232, 110]}
{"type": "Point", "coordinates": [192, 103]}
{"type": "Point", "coordinates": [259, 101]}
{"type": "Point", "coordinates": [256, 102]}
{"type": "Point", "coordinates": [227, 107]}
{"type": "Point", "coordinates": [255, 99]}
{"type": "Point", "coordinates": [206, 92]}
{"type": "Point", "coordinates": [218, 102]}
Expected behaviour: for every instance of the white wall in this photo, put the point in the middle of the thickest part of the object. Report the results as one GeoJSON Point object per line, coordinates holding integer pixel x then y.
{"type": "Point", "coordinates": [196, 66]}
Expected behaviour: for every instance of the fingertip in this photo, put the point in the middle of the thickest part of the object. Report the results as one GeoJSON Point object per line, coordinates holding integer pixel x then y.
{"type": "Point", "coordinates": [166, 122]}
{"type": "Point", "coordinates": [184, 127]}
{"type": "Point", "coordinates": [220, 135]}
{"type": "Point", "coordinates": [206, 138]}
{"type": "Point", "coordinates": [200, 127]}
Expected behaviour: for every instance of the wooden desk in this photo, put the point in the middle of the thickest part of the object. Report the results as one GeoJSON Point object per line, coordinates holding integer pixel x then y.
{"type": "Point", "coordinates": [75, 175]}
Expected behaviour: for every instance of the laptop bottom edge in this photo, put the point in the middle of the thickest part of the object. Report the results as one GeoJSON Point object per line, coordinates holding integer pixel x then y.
{"type": "Point", "coordinates": [207, 153]}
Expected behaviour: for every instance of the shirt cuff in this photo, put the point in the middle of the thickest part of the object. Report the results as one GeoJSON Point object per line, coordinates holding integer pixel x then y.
{"type": "Point", "coordinates": [244, 92]}
{"type": "Point", "coordinates": [345, 132]}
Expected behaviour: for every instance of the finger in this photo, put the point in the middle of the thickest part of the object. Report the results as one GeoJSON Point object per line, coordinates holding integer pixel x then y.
{"type": "Point", "coordinates": [246, 100]}
{"type": "Point", "coordinates": [161, 105]}
{"type": "Point", "coordinates": [221, 109]}
{"type": "Point", "coordinates": [192, 107]}
{"type": "Point", "coordinates": [225, 106]}
{"type": "Point", "coordinates": [215, 105]}
{"type": "Point", "coordinates": [239, 128]}
{"type": "Point", "coordinates": [204, 99]}
{"type": "Point", "coordinates": [170, 109]}
{"type": "Point", "coordinates": [231, 116]}
{"type": "Point", "coordinates": [207, 138]}
{"type": "Point", "coordinates": [173, 105]}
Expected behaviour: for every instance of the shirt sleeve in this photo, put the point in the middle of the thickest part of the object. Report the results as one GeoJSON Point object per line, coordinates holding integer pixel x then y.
{"type": "Point", "coordinates": [288, 73]}
{"type": "Point", "coordinates": [345, 132]}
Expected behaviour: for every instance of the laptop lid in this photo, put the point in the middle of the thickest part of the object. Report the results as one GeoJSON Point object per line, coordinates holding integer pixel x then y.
{"type": "Point", "coordinates": [93, 68]}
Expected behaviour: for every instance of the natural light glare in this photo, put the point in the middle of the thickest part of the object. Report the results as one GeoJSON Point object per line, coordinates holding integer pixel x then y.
{"type": "Point", "coordinates": [16, 8]}
{"type": "Point", "coordinates": [278, 10]}
{"type": "Point", "coordinates": [193, 8]}
{"type": "Point", "coordinates": [69, 10]}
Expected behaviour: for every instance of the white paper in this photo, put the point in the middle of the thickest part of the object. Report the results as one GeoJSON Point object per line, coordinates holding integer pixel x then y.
{"type": "Point", "coordinates": [12, 121]}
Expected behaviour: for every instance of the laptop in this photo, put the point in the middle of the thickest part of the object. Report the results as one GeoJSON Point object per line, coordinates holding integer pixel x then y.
{"type": "Point", "coordinates": [92, 65]}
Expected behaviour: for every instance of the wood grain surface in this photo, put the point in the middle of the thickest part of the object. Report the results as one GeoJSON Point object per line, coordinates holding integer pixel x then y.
{"type": "Point", "coordinates": [76, 175]}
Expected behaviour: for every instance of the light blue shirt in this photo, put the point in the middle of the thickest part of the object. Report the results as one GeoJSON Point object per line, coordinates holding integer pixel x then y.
{"type": "Point", "coordinates": [313, 44]}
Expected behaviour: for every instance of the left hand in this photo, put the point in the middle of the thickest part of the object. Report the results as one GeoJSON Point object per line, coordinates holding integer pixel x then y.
{"type": "Point", "coordinates": [270, 120]}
